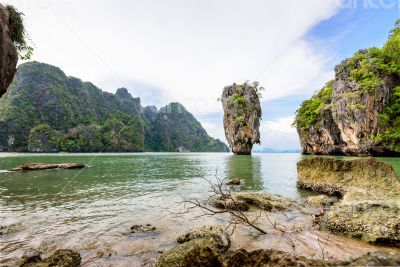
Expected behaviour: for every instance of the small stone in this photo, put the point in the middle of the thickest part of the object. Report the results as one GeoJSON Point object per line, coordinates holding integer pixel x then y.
{"type": "Point", "coordinates": [233, 182]}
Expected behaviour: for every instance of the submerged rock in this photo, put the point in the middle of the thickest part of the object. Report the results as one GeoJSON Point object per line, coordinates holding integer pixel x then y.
{"type": "Point", "coordinates": [137, 228]}
{"type": "Point", "coordinates": [61, 258]}
{"type": "Point", "coordinates": [45, 166]}
{"type": "Point", "coordinates": [233, 182]}
{"type": "Point", "coordinates": [8, 51]}
{"type": "Point", "coordinates": [242, 114]}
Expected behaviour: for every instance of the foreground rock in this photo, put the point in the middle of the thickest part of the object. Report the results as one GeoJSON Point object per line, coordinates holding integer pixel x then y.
{"type": "Point", "coordinates": [44, 166]}
{"type": "Point", "coordinates": [208, 246]}
{"type": "Point", "coordinates": [244, 200]}
{"type": "Point", "coordinates": [370, 208]}
{"type": "Point", "coordinates": [8, 52]}
{"type": "Point", "coordinates": [243, 258]}
{"type": "Point", "coordinates": [200, 247]}
{"type": "Point", "coordinates": [352, 179]}
{"type": "Point", "coordinates": [242, 113]}
{"type": "Point", "coordinates": [373, 222]}
{"type": "Point", "coordinates": [61, 258]}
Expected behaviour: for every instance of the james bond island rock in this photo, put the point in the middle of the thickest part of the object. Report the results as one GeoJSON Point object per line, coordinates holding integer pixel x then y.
{"type": "Point", "coordinates": [8, 51]}
{"type": "Point", "coordinates": [44, 110]}
{"type": "Point", "coordinates": [242, 114]}
{"type": "Point", "coordinates": [357, 113]}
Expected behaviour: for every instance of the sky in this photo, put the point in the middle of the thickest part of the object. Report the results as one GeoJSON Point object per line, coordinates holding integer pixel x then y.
{"type": "Point", "coordinates": [188, 50]}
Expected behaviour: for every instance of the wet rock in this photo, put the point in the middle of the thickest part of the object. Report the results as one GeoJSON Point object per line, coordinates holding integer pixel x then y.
{"type": "Point", "coordinates": [233, 182]}
{"type": "Point", "coordinates": [354, 179]}
{"type": "Point", "coordinates": [370, 208]}
{"type": "Point", "coordinates": [8, 52]}
{"type": "Point", "coordinates": [200, 247]}
{"type": "Point", "coordinates": [377, 259]}
{"type": "Point", "coordinates": [258, 258]}
{"type": "Point", "coordinates": [230, 204]}
{"type": "Point", "coordinates": [321, 200]}
{"type": "Point", "coordinates": [242, 113]}
{"type": "Point", "coordinates": [267, 202]}
{"type": "Point", "coordinates": [45, 166]}
{"type": "Point", "coordinates": [243, 258]}
{"type": "Point", "coordinates": [219, 238]}
{"type": "Point", "coordinates": [61, 258]}
{"type": "Point", "coordinates": [139, 228]}
{"type": "Point", "coordinates": [374, 222]}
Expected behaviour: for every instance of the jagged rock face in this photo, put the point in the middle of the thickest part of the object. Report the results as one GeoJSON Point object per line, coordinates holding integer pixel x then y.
{"type": "Point", "coordinates": [242, 113]}
{"type": "Point", "coordinates": [8, 52]}
{"type": "Point", "coordinates": [349, 123]}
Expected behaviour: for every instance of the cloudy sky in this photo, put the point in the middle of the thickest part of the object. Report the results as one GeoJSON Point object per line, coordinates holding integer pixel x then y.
{"type": "Point", "coordinates": [188, 50]}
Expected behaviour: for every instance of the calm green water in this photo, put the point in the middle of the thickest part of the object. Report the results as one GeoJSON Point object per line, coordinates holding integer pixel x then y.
{"type": "Point", "coordinates": [39, 209]}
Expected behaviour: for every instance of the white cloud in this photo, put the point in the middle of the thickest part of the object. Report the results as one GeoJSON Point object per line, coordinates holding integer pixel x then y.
{"type": "Point", "coordinates": [190, 49]}
{"type": "Point", "coordinates": [279, 134]}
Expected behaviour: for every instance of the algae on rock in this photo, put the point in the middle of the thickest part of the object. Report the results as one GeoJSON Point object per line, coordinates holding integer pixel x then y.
{"type": "Point", "coordinates": [370, 208]}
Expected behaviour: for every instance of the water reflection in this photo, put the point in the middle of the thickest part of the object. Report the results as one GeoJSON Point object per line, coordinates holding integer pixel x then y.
{"type": "Point", "coordinates": [247, 169]}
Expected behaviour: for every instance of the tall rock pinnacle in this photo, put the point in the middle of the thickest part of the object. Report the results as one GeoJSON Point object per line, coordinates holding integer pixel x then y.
{"type": "Point", "coordinates": [242, 114]}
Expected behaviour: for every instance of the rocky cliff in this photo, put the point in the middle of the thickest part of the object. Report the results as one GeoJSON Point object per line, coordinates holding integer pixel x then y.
{"type": "Point", "coordinates": [242, 114]}
{"type": "Point", "coordinates": [46, 111]}
{"type": "Point", "coordinates": [8, 52]}
{"type": "Point", "coordinates": [357, 113]}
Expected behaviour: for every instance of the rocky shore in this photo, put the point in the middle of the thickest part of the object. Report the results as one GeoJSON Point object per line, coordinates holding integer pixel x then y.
{"type": "Point", "coordinates": [369, 208]}
{"type": "Point", "coordinates": [208, 246]}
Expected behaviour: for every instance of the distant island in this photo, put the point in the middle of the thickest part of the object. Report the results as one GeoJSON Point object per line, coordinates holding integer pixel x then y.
{"type": "Point", "coordinates": [357, 113]}
{"type": "Point", "coordinates": [46, 111]}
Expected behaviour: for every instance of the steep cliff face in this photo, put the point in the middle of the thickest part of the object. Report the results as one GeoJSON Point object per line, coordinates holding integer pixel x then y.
{"type": "Point", "coordinates": [46, 111]}
{"type": "Point", "coordinates": [242, 114]}
{"type": "Point", "coordinates": [358, 112]}
{"type": "Point", "coordinates": [8, 52]}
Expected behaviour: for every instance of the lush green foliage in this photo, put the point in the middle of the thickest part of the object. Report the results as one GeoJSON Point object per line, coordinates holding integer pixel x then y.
{"type": "Point", "coordinates": [43, 138]}
{"type": "Point", "coordinates": [310, 110]}
{"type": "Point", "coordinates": [18, 33]}
{"type": "Point", "coordinates": [367, 68]}
{"type": "Point", "coordinates": [44, 110]}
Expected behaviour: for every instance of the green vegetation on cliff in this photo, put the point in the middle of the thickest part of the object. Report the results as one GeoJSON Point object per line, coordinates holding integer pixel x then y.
{"type": "Point", "coordinates": [309, 111]}
{"type": "Point", "coordinates": [18, 33]}
{"type": "Point", "coordinates": [46, 111]}
{"type": "Point", "coordinates": [369, 70]}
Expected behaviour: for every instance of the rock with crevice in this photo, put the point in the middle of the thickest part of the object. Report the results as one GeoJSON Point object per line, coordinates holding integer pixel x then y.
{"type": "Point", "coordinates": [370, 192]}
{"type": "Point", "coordinates": [242, 114]}
{"type": "Point", "coordinates": [8, 52]}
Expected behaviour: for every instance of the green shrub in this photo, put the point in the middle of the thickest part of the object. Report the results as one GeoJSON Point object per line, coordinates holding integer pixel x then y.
{"type": "Point", "coordinates": [18, 33]}
{"type": "Point", "coordinates": [310, 110]}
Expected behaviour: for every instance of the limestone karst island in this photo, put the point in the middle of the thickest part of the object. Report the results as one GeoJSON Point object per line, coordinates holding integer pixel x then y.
{"type": "Point", "coordinates": [199, 133]}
